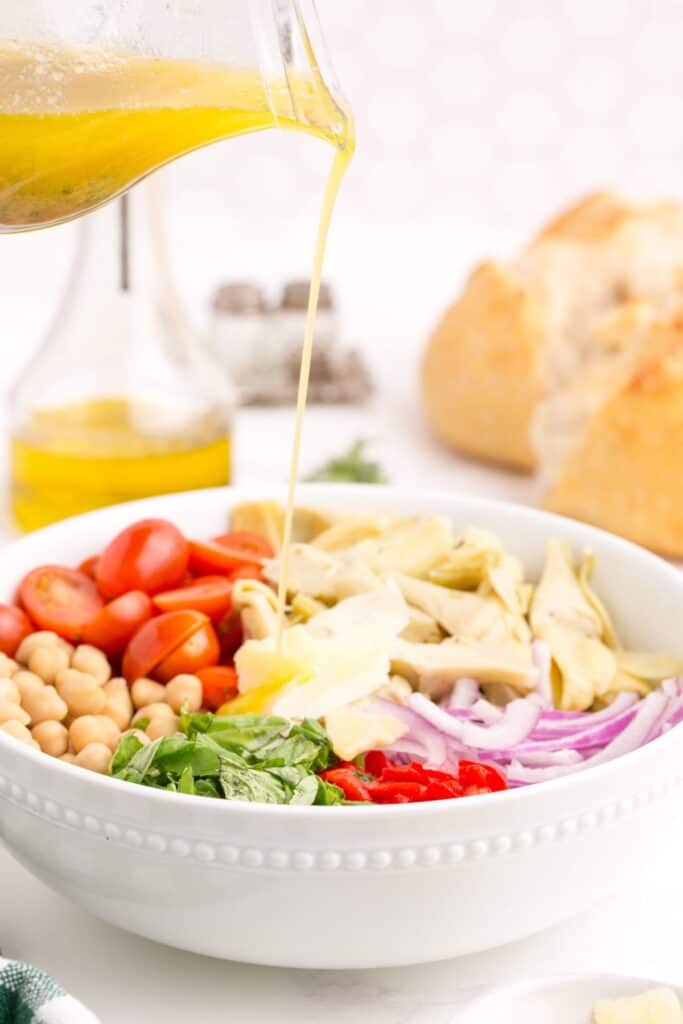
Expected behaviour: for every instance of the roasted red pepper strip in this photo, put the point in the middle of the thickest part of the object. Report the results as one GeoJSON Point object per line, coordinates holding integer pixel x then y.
{"type": "Point", "coordinates": [477, 776]}
{"type": "Point", "coordinates": [382, 782]}
{"type": "Point", "coordinates": [349, 782]}
{"type": "Point", "coordinates": [375, 762]}
{"type": "Point", "coordinates": [392, 792]}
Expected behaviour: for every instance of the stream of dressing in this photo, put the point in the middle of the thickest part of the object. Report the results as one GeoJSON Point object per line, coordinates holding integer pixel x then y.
{"type": "Point", "coordinates": [341, 161]}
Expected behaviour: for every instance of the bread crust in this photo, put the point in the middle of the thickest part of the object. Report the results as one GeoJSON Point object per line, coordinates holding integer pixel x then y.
{"type": "Point", "coordinates": [601, 215]}
{"type": "Point", "coordinates": [481, 377]}
{"type": "Point", "coordinates": [625, 475]}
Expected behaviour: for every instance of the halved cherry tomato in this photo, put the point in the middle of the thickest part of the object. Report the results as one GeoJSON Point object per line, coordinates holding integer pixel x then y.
{"type": "Point", "coordinates": [247, 572]}
{"type": "Point", "coordinates": [149, 555]}
{"type": "Point", "coordinates": [89, 566]}
{"type": "Point", "coordinates": [209, 594]}
{"type": "Point", "coordinates": [14, 626]}
{"type": "Point", "coordinates": [251, 546]}
{"type": "Point", "coordinates": [61, 599]}
{"type": "Point", "coordinates": [199, 651]}
{"type": "Point", "coordinates": [219, 684]}
{"type": "Point", "coordinates": [156, 638]}
{"type": "Point", "coordinates": [115, 624]}
{"type": "Point", "coordinates": [229, 552]}
{"type": "Point", "coordinates": [230, 635]}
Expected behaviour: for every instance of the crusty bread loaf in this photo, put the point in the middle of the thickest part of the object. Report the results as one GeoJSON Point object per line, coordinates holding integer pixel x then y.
{"type": "Point", "coordinates": [521, 330]}
{"type": "Point", "coordinates": [623, 469]}
{"type": "Point", "coordinates": [481, 378]}
{"type": "Point", "coordinates": [571, 359]}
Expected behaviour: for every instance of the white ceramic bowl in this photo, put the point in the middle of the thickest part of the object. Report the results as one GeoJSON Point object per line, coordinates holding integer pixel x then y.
{"type": "Point", "coordinates": [566, 1000]}
{"type": "Point", "coordinates": [350, 887]}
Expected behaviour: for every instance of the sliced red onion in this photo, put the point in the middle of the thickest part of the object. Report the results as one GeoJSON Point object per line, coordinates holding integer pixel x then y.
{"type": "Point", "coordinates": [546, 758]}
{"type": "Point", "coordinates": [529, 743]}
{"type": "Point", "coordinates": [636, 732]}
{"type": "Point", "coordinates": [580, 739]}
{"type": "Point", "coordinates": [519, 775]}
{"type": "Point", "coordinates": [552, 727]}
{"type": "Point", "coordinates": [486, 712]}
{"type": "Point", "coordinates": [671, 687]}
{"type": "Point", "coordinates": [515, 725]}
{"type": "Point", "coordinates": [464, 694]}
{"type": "Point", "coordinates": [432, 741]}
{"type": "Point", "coordinates": [540, 654]}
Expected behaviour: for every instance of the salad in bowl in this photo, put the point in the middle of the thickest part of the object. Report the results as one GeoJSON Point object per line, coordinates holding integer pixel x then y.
{"type": "Point", "coordinates": [415, 662]}
{"type": "Point", "coordinates": [471, 707]}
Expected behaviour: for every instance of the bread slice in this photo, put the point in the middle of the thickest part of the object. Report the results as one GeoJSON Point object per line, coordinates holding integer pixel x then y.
{"type": "Point", "coordinates": [522, 332]}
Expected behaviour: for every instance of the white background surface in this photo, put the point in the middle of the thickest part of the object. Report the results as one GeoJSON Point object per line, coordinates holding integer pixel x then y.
{"type": "Point", "coordinates": [475, 121]}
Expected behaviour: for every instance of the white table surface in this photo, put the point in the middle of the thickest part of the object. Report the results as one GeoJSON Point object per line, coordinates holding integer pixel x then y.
{"type": "Point", "coordinates": [123, 978]}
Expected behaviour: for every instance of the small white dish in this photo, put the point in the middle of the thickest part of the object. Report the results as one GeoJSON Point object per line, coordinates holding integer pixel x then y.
{"type": "Point", "coordinates": [566, 1000]}
{"type": "Point", "coordinates": [348, 887]}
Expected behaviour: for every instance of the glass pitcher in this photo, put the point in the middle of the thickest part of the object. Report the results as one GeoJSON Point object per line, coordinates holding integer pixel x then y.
{"type": "Point", "coordinates": [95, 94]}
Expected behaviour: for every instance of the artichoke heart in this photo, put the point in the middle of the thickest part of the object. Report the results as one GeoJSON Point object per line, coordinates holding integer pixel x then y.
{"type": "Point", "coordinates": [575, 631]}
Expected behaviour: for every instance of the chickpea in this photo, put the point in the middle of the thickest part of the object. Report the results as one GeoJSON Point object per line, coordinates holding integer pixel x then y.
{"type": "Point", "coordinates": [146, 691]}
{"type": "Point", "coordinates": [161, 726]}
{"type": "Point", "coordinates": [158, 709]}
{"type": "Point", "coordinates": [12, 712]}
{"type": "Point", "coordinates": [28, 684]}
{"type": "Point", "coordinates": [43, 638]}
{"type": "Point", "coordinates": [45, 705]}
{"type": "Point", "coordinates": [95, 757]}
{"type": "Point", "coordinates": [119, 706]}
{"type": "Point", "coordinates": [9, 691]}
{"type": "Point", "coordinates": [87, 658]}
{"type": "Point", "coordinates": [19, 731]}
{"type": "Point", "coordinates": [46, 662]}
{"type": "Point", "coordinates": [139, 734]}
{"type": "Point", "coordinates": [8, 666]}
{"type": "Point", "coordinates": [184, 689]}
{"type": "Point", "coordinates": [94, 729]}
{"type": "Point", "coordinates": [162, 720]}
{"type": "Point", "coordinates": [81, 691]}
{"type": "Point", "coordinates": [68, 757]}
{"type": "Point", "coordinates": [51, 737]}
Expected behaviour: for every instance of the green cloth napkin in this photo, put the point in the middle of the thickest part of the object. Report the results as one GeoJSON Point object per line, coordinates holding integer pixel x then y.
{"type": "Point", "coordinates": [30, 996]}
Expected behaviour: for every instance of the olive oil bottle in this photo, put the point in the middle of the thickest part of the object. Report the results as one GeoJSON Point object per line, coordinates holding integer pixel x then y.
{"type": "Point", "coordinates": [120, 403]}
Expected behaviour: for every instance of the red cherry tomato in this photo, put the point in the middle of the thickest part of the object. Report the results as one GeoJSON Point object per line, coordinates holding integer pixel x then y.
{"type": "Point", "coordinates": [247, 572]}
{"type": "Point", "coordinates": [229, 552]}
{"type": "Point", "coordinates": [61, 599]}
{"type": "Point", "coordinates": [115, 624]}
{"type": "Point", "coordinates": [156, 638]}
{"type": "Point", "coordinates": [230, 635]}
{"type": "Point", "coordinates": [149, 555]}
{"type": "Point", "coordinates": [219, 684]}
{"type": "Point", "coordinates": [89, 566]}
{"type": "Point", "coordinates": [252, 547]}
{"type": "Point", "coordinates": [14, 626]}
{"type": "Point", "coordinates": [200, 650]}
{"type": "Point", "coordinates": [209, 594]}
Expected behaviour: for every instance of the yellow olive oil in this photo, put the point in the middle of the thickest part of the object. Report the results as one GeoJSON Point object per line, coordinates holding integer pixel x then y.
{"type": "Point", "coordinates": [87, 455]}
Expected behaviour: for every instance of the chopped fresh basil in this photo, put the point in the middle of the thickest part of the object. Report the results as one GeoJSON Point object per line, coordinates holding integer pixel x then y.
{"type": "Point", "coordinates": [255, 758]}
